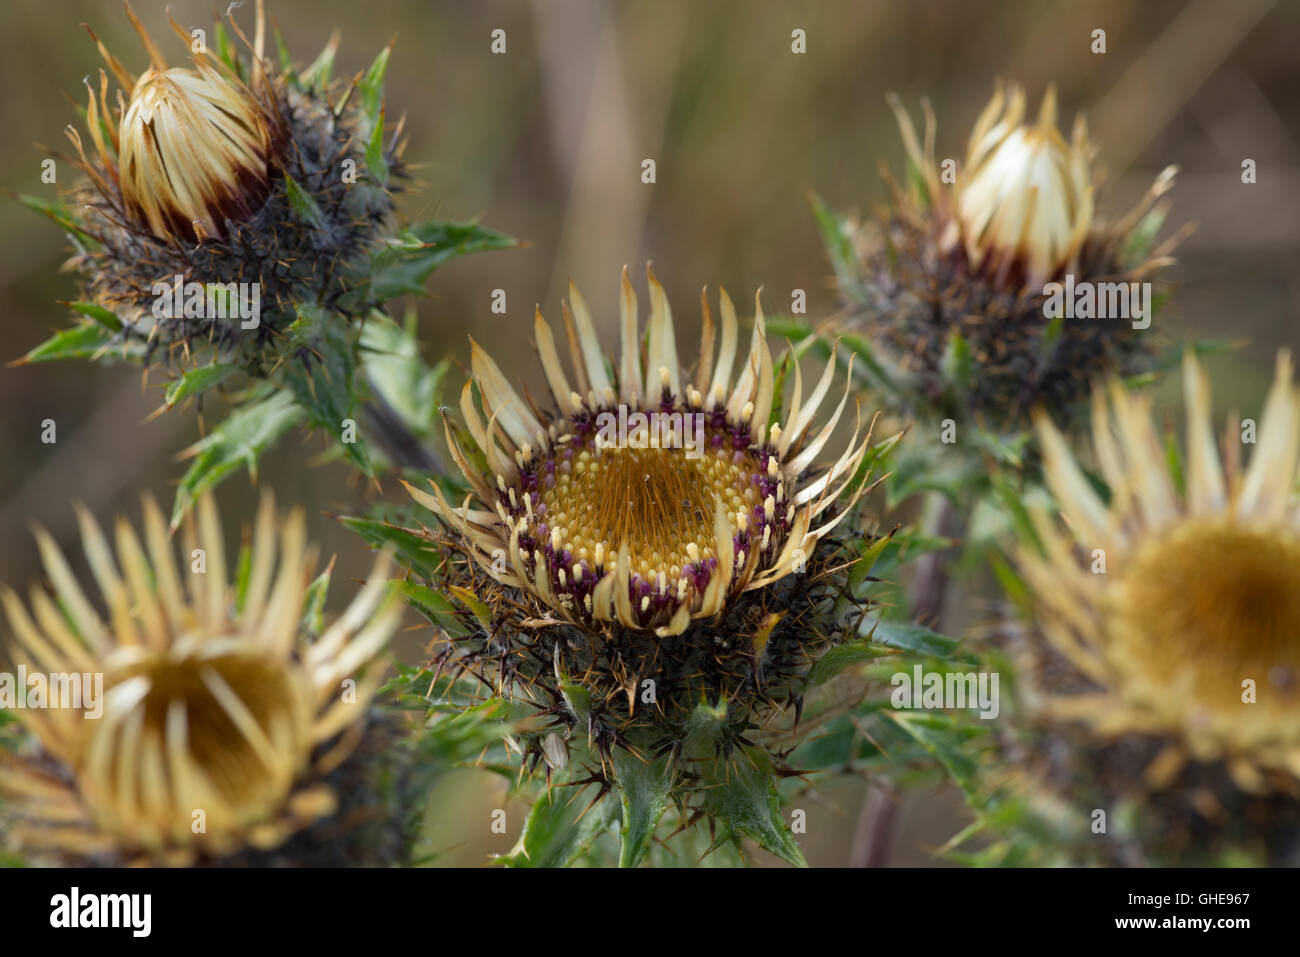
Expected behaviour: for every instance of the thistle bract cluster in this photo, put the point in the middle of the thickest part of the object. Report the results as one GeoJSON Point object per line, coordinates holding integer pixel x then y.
{"type": "Point", "coordinates": [215, 721]}
{"type": "Point", "coordinates": [1159, 664]}
{"type": "Point", "coordinates": [651, 592]}
{"type": "Point", "coordinates": [951, 286]}
{"type": "Point", "coordinates": [222, 195]}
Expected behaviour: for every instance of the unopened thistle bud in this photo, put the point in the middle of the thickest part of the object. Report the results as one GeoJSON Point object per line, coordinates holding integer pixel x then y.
{"type": "Point", "coordinates": [194, 150]}
{"type": "Point", "coordinates": [953, 287]}
{"type": "Point", "coordinates": [222, 194]}
{"type": "Point", "coordinates": [1024, 200]}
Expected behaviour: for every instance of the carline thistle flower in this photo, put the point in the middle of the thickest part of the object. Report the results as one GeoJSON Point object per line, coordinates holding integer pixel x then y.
{"type": "Point", "coordinates": [225, 731]}
{"type": "Point", "coordinates": [257, 185]}
{"type": "Point", "coordinates": [647, 537]}
{"type": "Point", "coordinates": [1181, 644]}
{"type": "Point", "coordinates": [961, 263]}
{"type": "Point", "coordinates": [654, 563]}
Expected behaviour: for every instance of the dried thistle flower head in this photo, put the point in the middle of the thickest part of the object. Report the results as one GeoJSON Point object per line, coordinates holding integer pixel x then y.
{"type": "Point", "coordinates": [222, 195]}
{"type": "Point", "coordinates": [221, 724]}
{"type": "Point", "coordinates": [1197, 597]}
{"type": "Point", "coordinates": [1025, 197]}
{"type": "Point", "coordinates": [1171, 616]}
{"type": "Point", "coordinates": [194, 149]}
{"type": "Point", "coordinates": [652, 561]}
{"type": "Point", "coordinates": [951, 286]}
{"type": "Point", "coordinates": [703, 495]}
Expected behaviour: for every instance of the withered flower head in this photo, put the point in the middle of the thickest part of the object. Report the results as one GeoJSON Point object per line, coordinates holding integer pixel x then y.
{"type": "Point", "coordinates": [655, 559]}
{"type": "Point", "coordinates": [222, 723]}
{"type": "Point", "coordinates": [635, 529]}
{"type": "Point", "coordinates": [959, 266]}
{"type": "Point", "coordinates": [194, 148]}
{"type": "Point", "coordinates": [1172, 616]}
{"type": "Point", "coordinates": [264, 188]}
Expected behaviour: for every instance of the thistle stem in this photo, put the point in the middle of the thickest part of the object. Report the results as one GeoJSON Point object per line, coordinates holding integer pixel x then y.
{"type": "Point", "coordinates": [930, 584]}
{"type": "Point", "coordinates": [402, 447]}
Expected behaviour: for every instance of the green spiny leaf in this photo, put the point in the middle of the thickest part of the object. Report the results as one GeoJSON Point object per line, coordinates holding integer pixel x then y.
{"type": "Point", "coordinates": [743, 798]}
{"type": "Point", "coordinates": [196, 381]}
{"type": "Point", "coordinates": [558, 831]}
{"type": "Point", "coordinates": [643, 789]}
{"type": "Point", "coordinates": [323, 379]}
{"type": "Point", "coordinates": [402, 267]}
{"type": "Point", "coordinates": [99, 314]}
{"type": "Point", "coordinates": [412, 550]}
{"type": "Point", "coordinates": [304, 204]}
{"type": "Point", "coordinates": [837, 239]}
{"type": "Point", "coordinates": [80, 342]}
{"type": "Point", "coordinates": [235, 443]}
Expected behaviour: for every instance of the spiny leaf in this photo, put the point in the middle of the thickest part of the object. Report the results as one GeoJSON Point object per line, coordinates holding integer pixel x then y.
{"type": "Point", "coordinates": [376, 161]}
{"type": "Point", "coordinates": [745, 802]}
{"type": "Point", "coordinates": [557, 831]}
{"type": "Point", "coordinates": [99, 314]}
{"type": "Point", "coordinates": [402, 267]}
{"type": "Point", "coordinates": [911, 637]}
{"type": "Point", "coordinates": [317, 76]}
{"type": "Point", "coordinates": [390, 358]}
{"type": "Point", "coordinates": [957, 366]}
{"type": "Point", "coordinates": [235, 443]}
{"type": "Point", "coordinates": [58, 212]}
{"type": "Point", "coordinates": [313, 620]}
{"type": "Point", "coordinates": [196, 381]}
{"type": "Point", "coordinates": [471, 601]}
{"type": "Point", "coordinates": [837, 240]}
{"type": "Point", "coordinates": [79, 342]}
{"type": "Point", "coordinates": [323, 377]}
{"type": "Point", "coordinates": [304, 204]}
{"type": "Point", "coordinates": [643, 790]}
{"type": "Point", "coordinates": [371, 89]}
{"type": "Point", "coordinates": [412, 551]}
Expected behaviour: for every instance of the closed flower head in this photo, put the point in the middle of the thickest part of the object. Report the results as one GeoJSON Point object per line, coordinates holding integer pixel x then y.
{"type": "Point", "coordinates": [271, 184]}
{"type": "Point", "coordinates": [952, 286]}
{"type": "Point", "coordinates": [1024, 198]}
{"type": "Point", "coordinates": [194, 148]}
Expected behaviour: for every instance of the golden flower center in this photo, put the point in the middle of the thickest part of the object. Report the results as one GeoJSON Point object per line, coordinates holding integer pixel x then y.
{"type": "Point", "coordinates": [224, 735]}
{"type": "Point", "coordinates": [658, 501]}
{"type": "Point", "coordinates": [1212, 604]}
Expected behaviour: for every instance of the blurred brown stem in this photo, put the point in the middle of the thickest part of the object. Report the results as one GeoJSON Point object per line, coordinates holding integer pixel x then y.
{"type": "Point", "coordinates": [930, 583]}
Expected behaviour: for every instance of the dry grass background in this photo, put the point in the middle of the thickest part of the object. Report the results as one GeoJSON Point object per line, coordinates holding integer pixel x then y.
{"type": "Point", "coordinates": [546, 143]}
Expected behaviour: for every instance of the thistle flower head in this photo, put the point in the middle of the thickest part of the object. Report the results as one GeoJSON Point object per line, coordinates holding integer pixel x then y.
{"type": "Point", "coordinates": [650, 497]}
{"type": "Point", "coordinates": [950, 287]}
{"type": "Point", "coordinates": [1025, 197]}
{"type": "Point", "coordinates": [1189, 627]}
{"type": "Point", "coordinates": [220, 715]}
{"type": "Point", "coordinates": [249, 190]}
{"type": "Point", "coordinates": [194, 149]}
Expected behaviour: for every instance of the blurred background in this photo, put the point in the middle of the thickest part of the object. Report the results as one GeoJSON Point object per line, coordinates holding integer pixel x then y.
{"type": "Point", "coordinates": [546, 142]}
